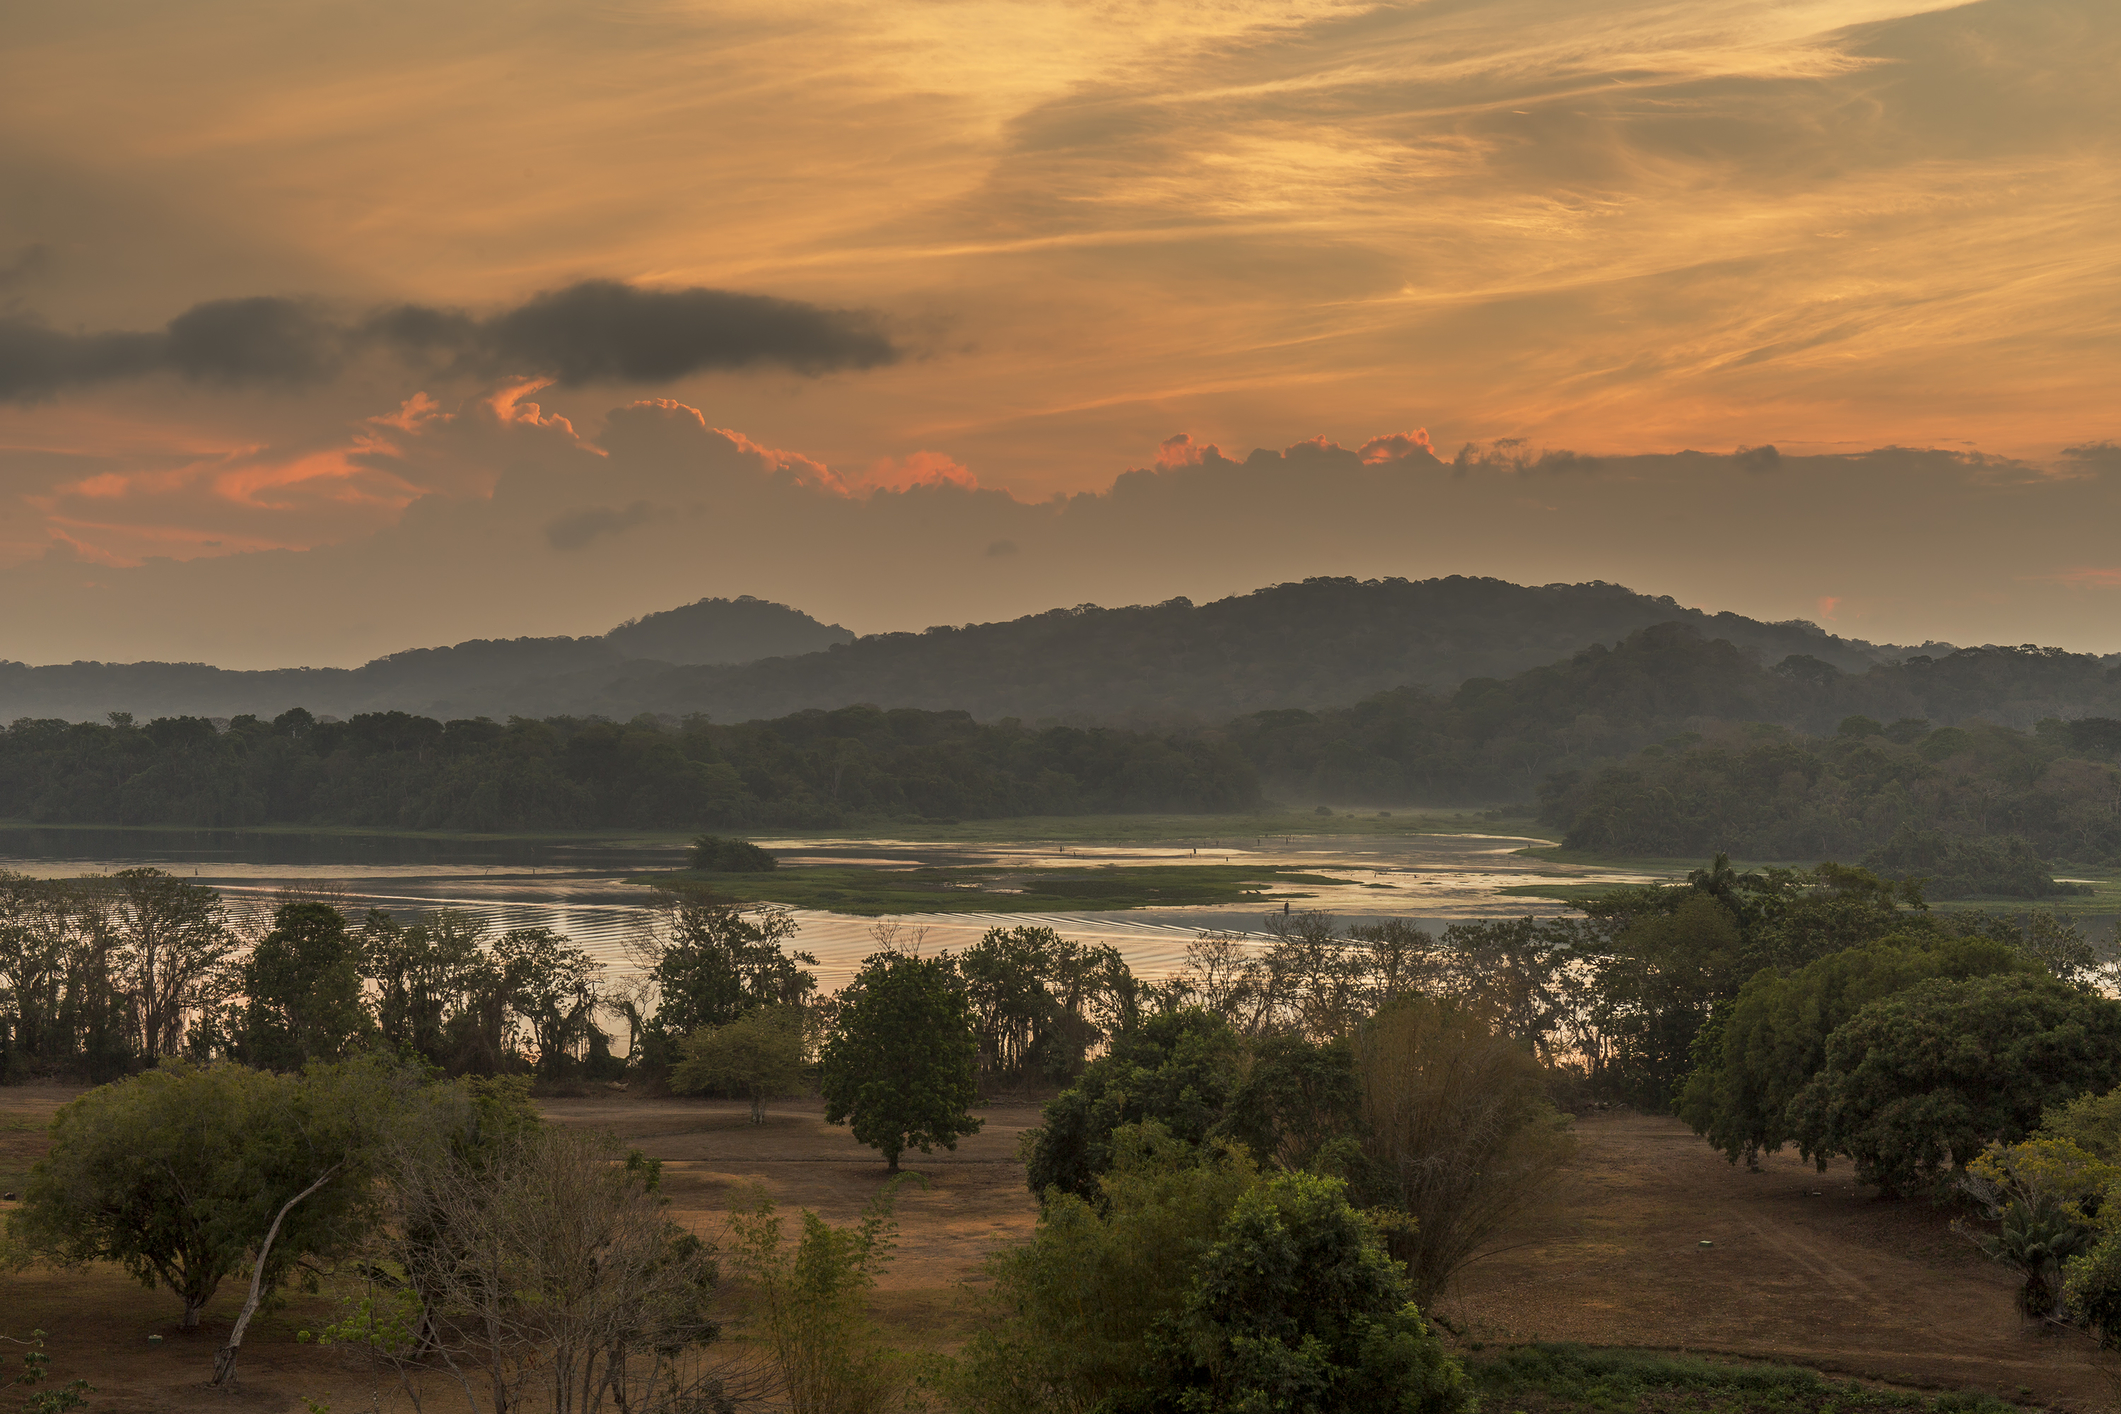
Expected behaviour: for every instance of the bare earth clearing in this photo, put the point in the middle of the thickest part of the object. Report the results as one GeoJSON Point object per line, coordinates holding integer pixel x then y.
{"type": "Point", "coordinates": [1837, 1280]}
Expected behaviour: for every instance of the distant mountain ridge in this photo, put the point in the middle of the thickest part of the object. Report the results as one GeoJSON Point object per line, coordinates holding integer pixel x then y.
{"type": "Point", "coordinates": [1316, 643]}
{"type": "Point", "coordinates": [481, 677]}
{"type": "Point", "coordinates": [1311, 644]}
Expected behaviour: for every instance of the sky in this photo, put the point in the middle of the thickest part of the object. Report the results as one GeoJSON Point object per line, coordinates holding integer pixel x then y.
{"type": "Point", "coordinates": [328, 329]}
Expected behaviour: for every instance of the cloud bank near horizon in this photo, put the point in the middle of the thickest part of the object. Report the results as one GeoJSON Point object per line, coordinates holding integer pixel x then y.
{"type": "Point", "coordinates": [561, 531]}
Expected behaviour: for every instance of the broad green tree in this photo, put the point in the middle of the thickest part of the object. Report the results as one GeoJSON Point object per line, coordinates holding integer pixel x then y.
{"type": "Point", "coordinates": [1919, 1083]}
{"type": "Point", "coordinates": [302, 990]}
{"type": "Point", "coordinates": [902, 1064]}
{"type": "Point", "coordinates": [1179, 1068]}
{"type": "Point", "coordinates": [1298, 1306]}
{"type": "Point", "coordinates": [1752, 1061]}
{"type": "Point", "coordinates": [180, 1173]}
{"type": "Point", "coordinates": [759, 1056]}
{"type": "Point", "coordinates": [1194, 1283]}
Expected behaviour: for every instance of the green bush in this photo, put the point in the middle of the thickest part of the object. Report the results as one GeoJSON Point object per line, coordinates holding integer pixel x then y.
{"type": "Point", "coordinates": [1542, 1377]}
{"type": "Point", "coordinates": [1198, 1285]}
{"type": "Point", "coordinates": [717, 854]}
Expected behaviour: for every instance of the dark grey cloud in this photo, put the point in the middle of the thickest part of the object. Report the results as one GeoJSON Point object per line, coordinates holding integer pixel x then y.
{"type": "Point", "coordinates": [597, 331]}
{"type": "Point", "coordinates": [2100, 456]}
{"type": "Point", "coordinates": [601, 331]}
{"type": "Point", "coordinates": [36, 362]}
{"type": "Point", "coordinates": [577, 529]}
{"type": "Point", "coordinates": [29, 262]}
{"type": "Point", "coordinates": [256, 340]}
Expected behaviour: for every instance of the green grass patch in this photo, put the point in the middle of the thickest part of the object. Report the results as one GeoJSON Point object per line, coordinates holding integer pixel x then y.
{"type": "Point", "coordinates": [2105, 896]}
{"type": "Point", "coordinates": [1549, 1379]}
{"type": "Point", "coordinates": [1559, 892]}
{"type": "Point", "coordinates": [1232, 830]}
{"type": "Point", "coordinates": [869, 891]}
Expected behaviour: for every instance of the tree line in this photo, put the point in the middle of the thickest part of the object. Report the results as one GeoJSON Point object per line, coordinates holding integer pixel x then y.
{"type": "Point", "coordinates": [1975, 808]}
{"type": "Point", "coordinates": [107, 974]}
{"type": "Point", "coordinates": [395, 770]}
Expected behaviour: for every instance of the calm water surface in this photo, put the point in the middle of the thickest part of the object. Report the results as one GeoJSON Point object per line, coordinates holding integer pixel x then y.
{"type": "Point", "coordinates": [577, 887]}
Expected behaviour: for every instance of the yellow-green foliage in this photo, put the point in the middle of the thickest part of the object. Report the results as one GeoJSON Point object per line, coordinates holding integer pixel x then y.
{"type": "Point", "coordinates": [811, 1306]}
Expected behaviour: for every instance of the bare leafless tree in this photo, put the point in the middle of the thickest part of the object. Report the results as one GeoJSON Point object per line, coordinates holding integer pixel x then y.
{"type": "Point", "coordinates": [543, 1273]}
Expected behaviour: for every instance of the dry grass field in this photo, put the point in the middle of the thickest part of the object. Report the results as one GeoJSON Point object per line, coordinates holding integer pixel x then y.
{"type": "Point", "coordinates": [1800, 1267]}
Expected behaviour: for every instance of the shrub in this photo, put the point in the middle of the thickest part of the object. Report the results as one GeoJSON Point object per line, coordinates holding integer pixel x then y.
{"type": "Point", "coordinates": [1197, 1284]}
{"type": "Point", "coordinates": [718, 854]}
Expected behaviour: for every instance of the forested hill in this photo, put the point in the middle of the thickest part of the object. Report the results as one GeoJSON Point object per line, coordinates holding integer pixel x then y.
{"type": "Point", "coordinates": [1318, 643]}
{"type": "Point", "coordinates": [1665, 742]}
{"type": "Point", "coordinates": [490, 677]}
{"type": "Point", "coordinates": [1664, 688]}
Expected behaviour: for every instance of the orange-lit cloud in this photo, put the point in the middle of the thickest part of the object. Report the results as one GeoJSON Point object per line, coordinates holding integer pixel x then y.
{"type": "Point", "coordinates": [2091, 578]}
{"type": "Point", "coordinates": [1182, 450]}
{"type": "Point", "coordinates": [1397, 446]}
{"type": "Point", "coordinates": [917, 469]}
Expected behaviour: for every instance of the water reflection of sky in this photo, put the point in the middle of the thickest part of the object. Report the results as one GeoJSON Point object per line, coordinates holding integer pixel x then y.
{"type": "Point", "coordinates": [577, 888]}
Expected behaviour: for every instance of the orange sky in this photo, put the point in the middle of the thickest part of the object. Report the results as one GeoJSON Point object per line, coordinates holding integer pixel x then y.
{"type": "Point", "coordinates": [1613, 226]}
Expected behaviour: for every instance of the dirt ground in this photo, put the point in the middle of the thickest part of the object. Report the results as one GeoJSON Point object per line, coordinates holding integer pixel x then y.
{"type": "Point", "coordinates": [1801, 1267]}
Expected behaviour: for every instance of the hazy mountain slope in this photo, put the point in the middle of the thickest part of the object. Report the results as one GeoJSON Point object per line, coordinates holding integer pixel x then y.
{"type": "Point", "coordinates": [1318, 643]}
{"type": "Point", "coordinates": [495, 677]}
{"type": "Point", "coordinates": [1312, 644]}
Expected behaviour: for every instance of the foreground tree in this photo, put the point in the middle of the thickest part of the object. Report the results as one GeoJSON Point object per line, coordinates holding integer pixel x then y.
{"type": "Point", "coordinates": [902, 1064]}
{"type": "Point", "coordinates": [1298, 1306]}
{"type": "Point", "coordinates": [1458, 1130]}
{"type": "Point", "coordinates": [1178, 1068]}
{"type": "Point", "coordinates": [185, 1174]}
{"type": "Point", "coordinates": [538, 1270]}
{"type": "Point", "coordinates": [811, 1303]}
{"type": "Point", "coordinates": [1919, 1083]}
{"type": "Point", "coordinates": [1192, 1283]}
